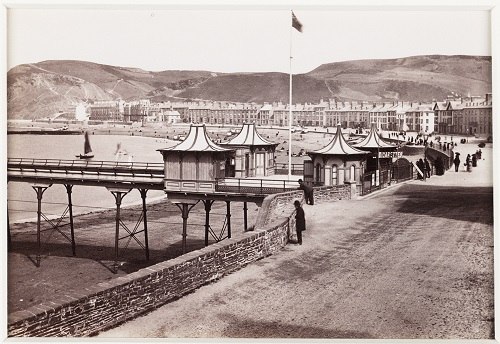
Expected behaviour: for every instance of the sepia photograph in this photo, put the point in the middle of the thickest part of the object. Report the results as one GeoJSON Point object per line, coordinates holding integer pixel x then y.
{"type": "Point", "coordinates": [278, 172]}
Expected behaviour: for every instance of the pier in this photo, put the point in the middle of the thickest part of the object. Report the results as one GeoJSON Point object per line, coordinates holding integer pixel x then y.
{"type": "Point", "coordinates": [119, 178]}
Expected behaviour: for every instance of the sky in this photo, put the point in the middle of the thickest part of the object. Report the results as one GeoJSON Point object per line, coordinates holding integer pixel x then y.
{"type": "Point", "coordinates": [239, 40]}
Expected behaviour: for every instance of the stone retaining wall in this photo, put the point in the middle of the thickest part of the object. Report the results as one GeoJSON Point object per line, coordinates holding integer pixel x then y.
{"type": "Point", "coordinates": [447, 156]}
{"type": "Point", "coordinates": [325, 194]}
{"type": "Point", "coordinates": [90, 310]}
{"type": "Point", "coordinates": [413, 150]}
{"type": "Point", "coordinates": [274, 207]}
{"type": "Point", "coordinates": [278, 205]}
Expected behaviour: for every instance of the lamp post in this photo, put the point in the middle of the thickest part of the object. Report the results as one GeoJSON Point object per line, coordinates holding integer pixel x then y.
{"type": "Point", "coordinates": [426, 137]}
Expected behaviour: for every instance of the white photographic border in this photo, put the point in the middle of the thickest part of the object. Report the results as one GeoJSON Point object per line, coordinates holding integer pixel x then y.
{"type": "Point", "coordinates": [447, 5]}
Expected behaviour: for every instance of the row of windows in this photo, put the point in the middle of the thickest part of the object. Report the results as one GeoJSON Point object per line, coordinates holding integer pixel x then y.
{"type": "Point", "coordinates": [338, 175]}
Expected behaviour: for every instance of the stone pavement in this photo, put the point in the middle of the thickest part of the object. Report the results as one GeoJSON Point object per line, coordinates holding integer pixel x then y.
{"type": "Point", "coordinates": [414, 261]}
{"type": "Point", "coordinates": [482, 175]}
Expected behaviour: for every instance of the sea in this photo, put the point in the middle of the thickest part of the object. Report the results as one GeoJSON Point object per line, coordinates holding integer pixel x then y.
{"type": "Point", "coordinates": [21, 197]}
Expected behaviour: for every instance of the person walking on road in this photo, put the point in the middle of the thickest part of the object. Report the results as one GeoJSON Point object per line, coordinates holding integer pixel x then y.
{"type": "Point", "coordinates": [456, 161]}
{"type": "Point", "coordinates": [468, 163]}
{"type": "Point", "coordinates": [308, 192]}
{"type": "Point", "coordinates": [424, 170]}
{"type": "Point", "coordinates": [300, 221]}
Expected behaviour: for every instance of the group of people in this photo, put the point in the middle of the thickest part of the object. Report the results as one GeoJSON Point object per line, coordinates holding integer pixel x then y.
{"type": "Point", "coordinates": [470, 160]}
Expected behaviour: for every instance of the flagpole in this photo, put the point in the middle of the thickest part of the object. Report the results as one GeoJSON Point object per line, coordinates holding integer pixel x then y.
{"type": "Point", "coordinates": [290, 112]}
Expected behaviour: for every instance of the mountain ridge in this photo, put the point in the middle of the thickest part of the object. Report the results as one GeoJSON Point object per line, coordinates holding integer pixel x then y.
{"type": "Point", "coordinates": [41, 89]}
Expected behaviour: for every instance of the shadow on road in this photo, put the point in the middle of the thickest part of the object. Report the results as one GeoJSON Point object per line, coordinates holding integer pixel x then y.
{"type": "Point", "coordinates": [245, 328]}
{"type": "Point", "coordinates": [472, 204]}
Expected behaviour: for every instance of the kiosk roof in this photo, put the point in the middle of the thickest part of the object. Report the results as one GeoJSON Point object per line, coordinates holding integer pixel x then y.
{"type": "Point", "coordinates": [248, 136]}
{"type": "Point", "coordinates": [339, 146]}
{"type": "Point", "coordinates": [197, 140]}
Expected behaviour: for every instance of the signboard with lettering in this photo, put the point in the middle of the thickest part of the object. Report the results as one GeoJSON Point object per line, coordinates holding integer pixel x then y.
{"type": "Point", "coordinates": [396, 155]}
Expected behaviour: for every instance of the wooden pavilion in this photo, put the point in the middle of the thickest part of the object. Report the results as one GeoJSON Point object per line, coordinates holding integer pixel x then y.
{"type": "Point", "coordinates": [254, 155]}
{"type": "Point", "coordinates": [381, 152]}
{"type": "Point", "coordinates": [337, 163]}
{"type": "Point", "coordinates": [194, 164]}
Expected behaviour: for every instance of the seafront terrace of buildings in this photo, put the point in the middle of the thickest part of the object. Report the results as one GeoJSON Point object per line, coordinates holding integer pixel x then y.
{"type": "Point", "coordinates": [453, 115]}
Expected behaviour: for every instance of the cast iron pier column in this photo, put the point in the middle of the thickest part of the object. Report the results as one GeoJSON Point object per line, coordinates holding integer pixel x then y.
{"type": "Point", "coordinates": [39, 189]}
{"type": "Point", "coordinates": [208, 206]}
{"type": "Point", "coordinates": [69, 189]}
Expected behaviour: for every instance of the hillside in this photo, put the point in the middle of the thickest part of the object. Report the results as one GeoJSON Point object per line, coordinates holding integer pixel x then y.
{"type": "Point", "coordinates": [44, 88]}
{"type": "Point", "coordinates": [412, 78]}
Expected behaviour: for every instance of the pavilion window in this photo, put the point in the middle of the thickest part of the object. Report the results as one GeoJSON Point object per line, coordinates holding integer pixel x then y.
{"type": "Point", "coordinates": [334, 175]}
{"type": "Point", "coordinates": [318, 173]}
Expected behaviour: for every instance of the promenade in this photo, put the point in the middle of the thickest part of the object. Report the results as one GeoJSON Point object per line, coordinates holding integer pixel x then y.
{"type": "Point", "coordinates": [412, 261]}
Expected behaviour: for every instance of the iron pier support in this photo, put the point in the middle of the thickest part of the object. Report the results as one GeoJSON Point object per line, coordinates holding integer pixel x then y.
{"type": "Point", "coordinates": [69, 189]}
{"type": "Point", "coordinates": [39, 189]}
{"type": "Point", "coordinates": [145, 219]}
{"type": "Point", "coordinates": [208, 206]}
{"type": "Point", "coordinates": [185, 208]}
{"type": "Point", "coordinates": [119, 194]}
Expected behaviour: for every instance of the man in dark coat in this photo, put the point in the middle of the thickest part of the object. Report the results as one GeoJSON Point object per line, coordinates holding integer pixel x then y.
{"type": "Point", "coordinates": [300, 221]}
{"type": "Point", "coordinates": [308, 192]}
{"type": "Point", "coordinates": [456, 161]}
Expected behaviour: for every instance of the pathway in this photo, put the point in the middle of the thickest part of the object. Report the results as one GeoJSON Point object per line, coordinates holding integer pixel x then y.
{"type": "Point", "coordinates": [413, 261]}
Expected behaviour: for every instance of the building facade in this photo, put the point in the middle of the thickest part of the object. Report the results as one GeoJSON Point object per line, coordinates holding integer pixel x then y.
{"type": "Point", "coordinates": [107, 110]}
{"type": "Point", "coordinates": [472, 115]}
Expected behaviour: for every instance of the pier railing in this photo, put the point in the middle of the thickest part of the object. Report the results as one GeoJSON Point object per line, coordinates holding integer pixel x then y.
{"type": "Point", "coordinates": [135, 174]}
{"type": "Point", "coordinates": [53, 165]}
{"type": "Point", "coordinates": [254, 186]}
{"type": "Point", "coordinates": [86, 172]}
{"type": "Point", "coordinates": [282, 169]}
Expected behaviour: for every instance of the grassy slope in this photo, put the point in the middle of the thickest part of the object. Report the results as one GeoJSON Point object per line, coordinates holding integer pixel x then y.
{"type": "Point", "coordinates": [37, 90]}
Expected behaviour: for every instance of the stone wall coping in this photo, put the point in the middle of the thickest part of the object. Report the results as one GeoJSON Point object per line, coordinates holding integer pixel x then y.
{"type": "Point", "coordinates": [73, 296]}
{"type": "Point", "coordinates": [32, 315]}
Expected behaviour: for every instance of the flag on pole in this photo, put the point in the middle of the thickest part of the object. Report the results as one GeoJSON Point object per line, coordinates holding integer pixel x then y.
{"type": "Point", "coordinates": [295, 23]}
{"type": "Point", "coordinates": [297, 26]}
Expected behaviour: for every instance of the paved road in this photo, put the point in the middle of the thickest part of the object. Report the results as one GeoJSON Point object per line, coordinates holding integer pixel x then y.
{"type": "Point", "coordinates": [413, 261]}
